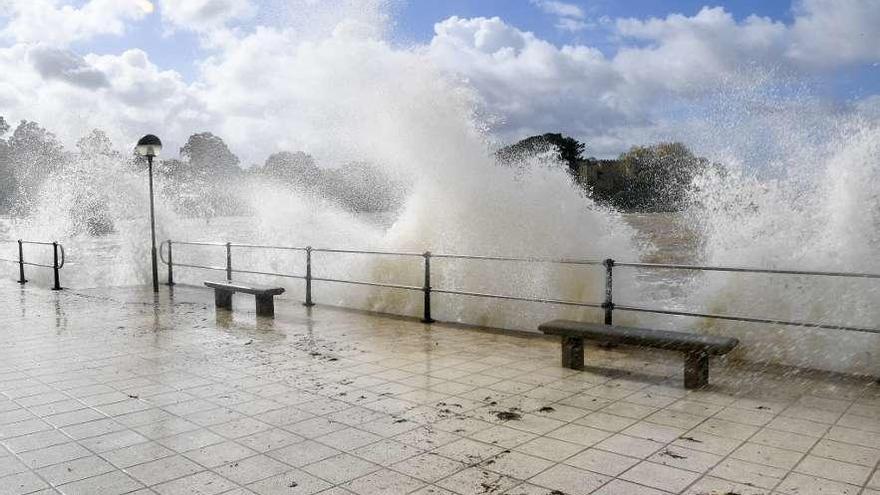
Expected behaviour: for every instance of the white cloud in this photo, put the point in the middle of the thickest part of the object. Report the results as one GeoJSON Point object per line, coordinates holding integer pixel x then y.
{"type": "Point", "coordinates": [571, 25]}
{"type": "Point", "coordinates": [835, 32]}
{"type": "Point", "coordinates": [570, 17]}
{"type": "Point", "coordinates": [530, 84]}
{"type": "Point", "coordinates": [660, 64]}
{"type": "Point", "coordinates": [59, 23]}
{"type": "Point", "coordinates": [560, 9]}
{"type": "Point", "coordinates": [138, 83]}
{"type": "Point", "coordinates": [205, 15]}
{"type": "Point", "coordinates": [126, 95]}
{"type": "Point", "coordinates": [64, 65]}
{"type": "Point", "coordinates": [696, 54]}
{"type": "Point", "coordinates": [824, 34]}
{"type": "Point", "coordinates": [270, 87]}
{"type": "Point", "coordinates": [251, 89]}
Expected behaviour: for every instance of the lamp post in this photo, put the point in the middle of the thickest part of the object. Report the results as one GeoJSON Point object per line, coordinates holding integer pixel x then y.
{"type": "Point", "coordinates": [150, 146]}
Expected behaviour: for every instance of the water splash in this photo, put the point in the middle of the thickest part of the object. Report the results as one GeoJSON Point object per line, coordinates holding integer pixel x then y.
{"type": "Point", "coordinates": [816, 209]}
{"type": "Point", "coordinates": [798, 193]}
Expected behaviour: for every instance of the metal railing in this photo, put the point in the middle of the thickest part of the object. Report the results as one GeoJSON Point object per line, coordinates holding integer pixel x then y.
{"type": "Point", "coordinates": [607, 305]}
{"type": "Point", "coordinates": [56, 266]}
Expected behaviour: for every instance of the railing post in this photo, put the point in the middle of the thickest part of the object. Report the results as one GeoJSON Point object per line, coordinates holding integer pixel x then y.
{"type": "Point", "coordinates": [308, 302]}
{"type": "Point", "coordinates": [608, 305]}
{"type": "Point", "coordinates": [426, 317]}
{"type": "Point", "coordinates": [170, 265]}
{"type": "Point", "coordinates": [55, 266]}
{"type": "Point", "coordinates": [228, 261]}
{"type": "Point", "coordinates": [21, 278]}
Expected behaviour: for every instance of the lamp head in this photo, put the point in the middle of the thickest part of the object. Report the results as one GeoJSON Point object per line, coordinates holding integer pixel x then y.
{"type": "Point", "coordinates": [149, 146]}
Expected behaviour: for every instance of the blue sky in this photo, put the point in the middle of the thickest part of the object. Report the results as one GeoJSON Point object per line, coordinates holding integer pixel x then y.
{"type": "Point", "coordinates": [417, 18]}
{"type": "Point", "coordinates": [610, 72]}
{"type": "Point", "coordinates": [414, 22]}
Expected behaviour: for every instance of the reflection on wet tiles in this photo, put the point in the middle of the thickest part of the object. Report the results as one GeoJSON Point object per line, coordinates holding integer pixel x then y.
{"type": "Point", "coordinates": [122, 390]}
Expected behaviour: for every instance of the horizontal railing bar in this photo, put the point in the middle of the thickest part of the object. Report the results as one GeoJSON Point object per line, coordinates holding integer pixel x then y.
{"type": "Point", "coordinates": [353, 251]}
{"type": "Point", "coordinates": [28, 263]}
{"type": "Point", "coordinates": [745, 319]}
{"type": "Point", "coordinates": [566, 261]}
{"type": "Point", "coordinates": [203, 267]}
{"type": "Point", "coordinates": [370, 284]}
{"type": "Point", "coordinates": [199, 243]}
{"type": "Point", "coordinates": [262, 246]}
{"type": "Point", "coordinates": [223, 269]}
{"type": "Point", "coordinates": [37, 264]}
{"type": "Point", "coordinates": [516, 298]}
{"type": "Point", "coordinates": [11, 241]}
{"type": "Point", "coordinates": [270, 274]}
{"type": "Point", "coordinates": [298, 248]}
{"type": "Point", "coordinates": [663, 266]}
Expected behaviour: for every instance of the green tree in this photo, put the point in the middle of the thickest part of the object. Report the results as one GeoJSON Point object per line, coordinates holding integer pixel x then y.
{"type": "Point", "coordinates": [297, 169]}
{"type": "Point", "coordinates": [33, 153]}
{"type": "Point", "coordinates": [209, 155]}
{"type": "Point", "coordinates": [7, 177]}
{"type": "Point", "coordinates": [567, 149]}
{"type": "Point", "coordinates": [204, 181]}
{"type": "Point", "coordinates": [658, 177]}
{"type": "Point", "coordinates": [95, 143]}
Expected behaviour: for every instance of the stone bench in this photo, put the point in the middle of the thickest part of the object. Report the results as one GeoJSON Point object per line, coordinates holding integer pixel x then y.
{"type": "Point", "coordinates": [696, 348]}
{"type": "Point", "coordinates": [264, 294]}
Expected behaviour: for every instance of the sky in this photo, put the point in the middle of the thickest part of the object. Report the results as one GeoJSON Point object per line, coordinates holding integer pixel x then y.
{"type": "Point", "coordinates": [612, 73]}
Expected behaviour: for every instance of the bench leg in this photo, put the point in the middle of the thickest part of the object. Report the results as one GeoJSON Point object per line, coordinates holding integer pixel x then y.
{"type": "Point", "coordinates": [266, 306]}
{"type": "Point", "coordinates": [696, 370]}
{"type": "Point", "coordinates": [573, 353]}
{"type": "Point", "coordinates": [223, 299]}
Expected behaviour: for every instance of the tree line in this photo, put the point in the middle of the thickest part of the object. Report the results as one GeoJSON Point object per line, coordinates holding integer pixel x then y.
{"type": "Point", "coordinates": [205, 176]}
{"type": "Point", "coordinates": [201, 181]}
{"type": "Point", "coordinates": [28, 155]}
{"type": "Point", "coordinates": [657, 177]}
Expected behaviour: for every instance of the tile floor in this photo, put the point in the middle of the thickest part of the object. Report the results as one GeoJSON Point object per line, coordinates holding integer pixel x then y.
{"type": "Point", "coordinates": [109, 392]}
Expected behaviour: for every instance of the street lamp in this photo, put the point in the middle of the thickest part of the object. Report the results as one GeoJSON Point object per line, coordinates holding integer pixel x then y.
{"type": "Point", "coordinates": [150, 146]}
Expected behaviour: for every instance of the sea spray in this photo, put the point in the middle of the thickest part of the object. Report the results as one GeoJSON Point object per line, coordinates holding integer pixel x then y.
{"type": "Point", "coordinates": [821, 215]}
{"type": "Point", "coordinates": [796, 192]}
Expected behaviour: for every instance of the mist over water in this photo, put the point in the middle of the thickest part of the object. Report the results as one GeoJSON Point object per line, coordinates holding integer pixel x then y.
{"type": "Point", "coordinates": [796, 194]}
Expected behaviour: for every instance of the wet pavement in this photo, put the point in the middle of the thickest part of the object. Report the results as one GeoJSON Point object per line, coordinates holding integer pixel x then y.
{"type": "Point", "coordinates": [112, 391]}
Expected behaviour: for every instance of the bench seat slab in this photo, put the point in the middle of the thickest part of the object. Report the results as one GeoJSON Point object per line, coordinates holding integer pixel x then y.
{"type": "Point", "coordinates": [712, 345]}
{"type": "Point", "coordinates": [245, 287]}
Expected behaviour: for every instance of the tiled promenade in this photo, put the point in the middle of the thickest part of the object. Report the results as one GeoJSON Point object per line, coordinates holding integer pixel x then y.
{"type": "Point", "coordinates": [105, 392]}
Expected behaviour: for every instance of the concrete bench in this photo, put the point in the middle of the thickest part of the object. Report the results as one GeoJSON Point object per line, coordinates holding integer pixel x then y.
{"type": "Point", "coordinates": [264, 294]}
{"type": "Point", "coordinates": [696, 348]}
